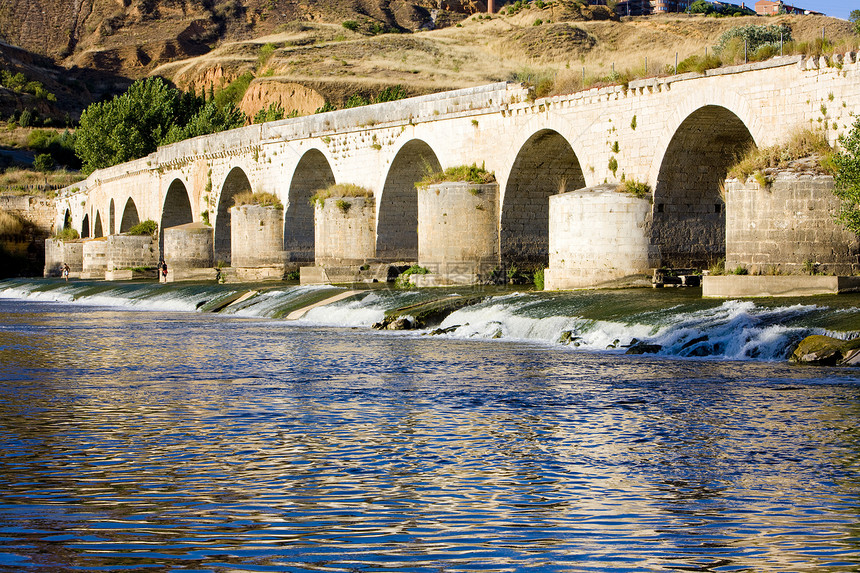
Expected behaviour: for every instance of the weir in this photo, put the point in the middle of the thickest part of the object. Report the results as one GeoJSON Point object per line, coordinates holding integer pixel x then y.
{"type": "Point", "coordinates": [674, 136]}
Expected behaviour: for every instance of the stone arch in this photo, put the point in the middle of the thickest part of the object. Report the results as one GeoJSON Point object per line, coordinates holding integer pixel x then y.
{"type": "Point", "coordinates": [689, 220]}
{"type": "Point", "coordinates": [545, 165]}
{"type": "Point", "coordinates": [130, 217]}
{"type": "Point", "coordinates": [397, 207]}
{"type": "Point", "coordinates": [176, 209]}
{"type": "Point", "coordinates": [85, 227]}
{"type": "Point", "coordinates": [312, 173]}
{"type": "Point", "coordinates": [236, 182]}
{"type": "Point", "coordinates": [111, 218]}
{"type": "Point", "coordinates": [97, 228]}
{"type": "Point", "coordinates": [67, 219]}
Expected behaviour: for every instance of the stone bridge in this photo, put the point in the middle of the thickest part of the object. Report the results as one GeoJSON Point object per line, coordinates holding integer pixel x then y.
{"type": "Point", "coordinates": [678, 134]}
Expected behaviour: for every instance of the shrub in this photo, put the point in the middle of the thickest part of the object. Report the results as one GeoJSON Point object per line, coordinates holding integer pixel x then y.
{"type": "Point", "coordinates": [67, 234]}
{"type": "Point", "coordinates": [635, 188]}
{"type": "Point", "coordinates": [802, 143]}
{"type": "Point", "coordinates": [461, 173]}
{"type": "Point", "coordinates": [847, 188]}
{"type": "Point", "coordinates": [699, 64]}
{"type": "Point", "coordinates": [402, 280]}
{"type": "Point", "coordinates": [350, 25]}
{"type": "Point", "coordinates": [755, 37]}
{"type": "Point", "coordinates": [263, 198]}
{"type": "Point", "coordinates": [339, 190]}
{"type": "Point", "coordinates": [538, 279]}
{"type": "Point", "coordinates": [44, 162]}
{"type": "Point", "coordinates": [148, 227]}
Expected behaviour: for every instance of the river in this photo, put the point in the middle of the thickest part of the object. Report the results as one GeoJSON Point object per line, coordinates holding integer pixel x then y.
{"type": "Point", "coordinates": [139, 433]}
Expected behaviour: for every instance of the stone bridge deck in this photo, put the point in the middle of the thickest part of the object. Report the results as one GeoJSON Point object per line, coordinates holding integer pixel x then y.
{"type": "Point", "coordinates": [678, 134]}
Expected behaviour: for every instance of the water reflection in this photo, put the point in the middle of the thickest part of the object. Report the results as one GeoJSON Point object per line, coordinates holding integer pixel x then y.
{"type": "Point", "coordinates": [162, 441]}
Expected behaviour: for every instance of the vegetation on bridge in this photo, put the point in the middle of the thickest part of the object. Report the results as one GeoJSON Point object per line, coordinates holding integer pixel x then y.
{"type": "Point", "coordinates": [149, 114]}
{"type": "Point", "coordinates": [847, 164]}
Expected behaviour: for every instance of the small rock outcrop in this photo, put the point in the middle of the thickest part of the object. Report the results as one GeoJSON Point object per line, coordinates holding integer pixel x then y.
{"type": "Point", "coordinates": [820, 350]}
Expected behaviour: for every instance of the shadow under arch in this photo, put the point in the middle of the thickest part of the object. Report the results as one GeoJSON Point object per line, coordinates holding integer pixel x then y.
{"type": "Point", "coordinates": [689, 219]}
{"type": "Point", "coordinates": [236, 182]}
{"type": "Point", "coordinates": [85, 227]}
{"type": "Point", "coordinates": [111, 218]}
{"type": "Point", "coordinates": [397, 215]}
{"type": "Point", "coordinates": [130, 217]}
{"type": "Point", "coordinates": [98, 230]}
{"type": "Point", "coordinates": [67, 219]}
{"type": "Point", "coordinates": [312, 173]}
{"type": "Point", "coordinates": [545, 165]}
{"type": "Point", "coordinates": [175, 211]}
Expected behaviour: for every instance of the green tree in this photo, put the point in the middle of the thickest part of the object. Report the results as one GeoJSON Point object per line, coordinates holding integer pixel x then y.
{"type": "Point", "coordinates": [700, 7]}
{"type": "Point", "coordinates": [127, 127]}
{"type": "Point", "coordinates": [273, 113]}
{"type": "Point", "coordinates": [847, 164]}
{"type": "Point", "coordinates": [855, 19]}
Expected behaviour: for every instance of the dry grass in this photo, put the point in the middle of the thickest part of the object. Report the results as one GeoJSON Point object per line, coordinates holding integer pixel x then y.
{"type": "Point", "coordinates": [340, 190]}
{"type": "Point", "coordinates": [10, 224]}
{"type": "Point", "coordinates": [27, 182]}
{"type": "Point", "coordinates": [262, 198]}
{"type": "Point", "coordinates": [802, 143]}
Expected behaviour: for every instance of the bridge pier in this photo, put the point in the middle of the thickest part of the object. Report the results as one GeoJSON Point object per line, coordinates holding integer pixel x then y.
{"type": "Point", "coordinates": [598, 236]}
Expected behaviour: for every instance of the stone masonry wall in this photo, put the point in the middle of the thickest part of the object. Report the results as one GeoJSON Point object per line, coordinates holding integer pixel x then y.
{"type": "Point", "coordinates": [458, 229]}
{"type": "Point", "coordinates": [257, 236]}
{"type": "Point", "coordinates": [787, 227]}
{"type": "Point", "coordinates": [597, 235]}
{"type": "Point", "coordinates": [344, 231]}
{"type": "Point", "coordinates": [129, 251]}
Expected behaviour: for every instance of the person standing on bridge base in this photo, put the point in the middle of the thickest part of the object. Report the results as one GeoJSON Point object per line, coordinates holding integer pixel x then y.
{"type": "Point", "coordinates": [162, 271]}
{"type": "Point", "coordinates": [66, 271]}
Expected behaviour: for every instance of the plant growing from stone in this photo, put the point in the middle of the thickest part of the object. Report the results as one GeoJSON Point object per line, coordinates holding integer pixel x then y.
{"type": "Point", "coordinates": [144, 228]}
{"type": "Point", "coordinates": [262, 198]}
{"type": "Point", "coordinates": [633, 187]}
{"type": "Point", "coordinates": [847, 180]}
{"type": "Point", "coordinates": [339, 190]}
{"type": "Point", "coordinates": [460, 173]}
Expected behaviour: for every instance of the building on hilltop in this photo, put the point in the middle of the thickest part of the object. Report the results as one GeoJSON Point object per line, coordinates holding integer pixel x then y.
{"type": "Point", "coordinates": [771, 7]}
{"type": "Point", "coordinates": [645, 7]}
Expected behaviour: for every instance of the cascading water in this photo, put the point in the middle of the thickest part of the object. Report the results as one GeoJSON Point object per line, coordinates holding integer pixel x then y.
{"type": "Point", "coordinates": [671, 322]}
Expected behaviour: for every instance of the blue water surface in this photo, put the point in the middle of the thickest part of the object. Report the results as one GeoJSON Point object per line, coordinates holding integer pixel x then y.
{"type": "Point", "coordinates": [160, 441]}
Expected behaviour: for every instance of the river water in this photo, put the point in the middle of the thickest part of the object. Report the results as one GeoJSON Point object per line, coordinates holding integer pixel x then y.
{"type": "Point", "coordinates": [138, 434]}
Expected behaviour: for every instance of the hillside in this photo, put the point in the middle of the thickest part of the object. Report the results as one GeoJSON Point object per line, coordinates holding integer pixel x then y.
{"type": "Point", "coordinates": [304, 53]}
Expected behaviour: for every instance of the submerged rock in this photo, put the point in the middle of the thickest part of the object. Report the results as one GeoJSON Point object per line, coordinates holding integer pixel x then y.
{"type": "Point", "coordinates": [644, 348]}
{"type": "Point", "coordinates": [567, 337]}
{"type": "Point", "coordinates": [823, 350]}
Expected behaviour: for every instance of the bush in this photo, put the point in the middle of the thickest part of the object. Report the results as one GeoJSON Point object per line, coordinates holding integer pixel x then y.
{"type": "Point", "coordinates": [67, 234]}
{"type": "Point", "coordinates": [402, 280]}
{"type": "Point", "coordinates": [635, 188]}
{"type": "Point", "coordinates": [350, 25]}
{"type": "Point", "coordinates": [732, 41]}
{"type": "Point", "coordinates": [802, 143]}
{"type": "Point", "coordinates": [461, 173]}
{"type": "Point", "coordinates": [847, 188]}
{"type": "Point", "coordinates": [699, 64]}
{"type": "Point", "coordinates": [538, 279]}
{"type": "Point", "coordinates": [263, 198]}
{"type": "Point", "coordinates": [339, 190]}
{"type": "Point", "coordinates": [148, 227]}
{"type": "Point", "coordinates": [44, 163]}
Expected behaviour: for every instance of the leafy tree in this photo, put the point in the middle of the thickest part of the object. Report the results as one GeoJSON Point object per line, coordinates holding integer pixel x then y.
{"type": "Point", "coordinates": [847, 164]}
{"type": "Point", "coordinates": [44, 163]}
{"type": "Point", "coordinates": [149, 114]}
{"type": "Point", "coordinates": [273, 113]}
{"type": "Point", "coordinates": [855, 19]}
{"type": "Point", "coordinates": [700, 7]}
{"type": "Point", "coordinates": [128, 126]}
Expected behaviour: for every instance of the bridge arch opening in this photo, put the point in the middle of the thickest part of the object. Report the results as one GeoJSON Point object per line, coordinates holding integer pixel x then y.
{"type": "Point", "coordinates": [97, 227]}
{"type": "Point", "coordinates": [236, 182]}
{"type": "Point", "coordinates": [111, 219]}
{"type": "Point", "coordinates": [312, 173]}
{"type": "Point", "coordinates": [689, 219]}
{"type": "Point", "coordinates": [545, 165]}
{"type": "Point", "coordinates": [130, 217]}
{"type": "Point", "coordinates": [175, 211]}
{"type": "Point", "coordinates": [85, 227]}
{"type": "Point", "coordinates": [67, 220]}
{"type": "Point", "coordinates": [397, 217]}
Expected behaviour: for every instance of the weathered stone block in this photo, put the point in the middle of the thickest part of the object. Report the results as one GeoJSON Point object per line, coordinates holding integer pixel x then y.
{"type": "Point", "coordinates": [189, 246]}
{"type": "Point", "coordinates": [344, 231]}
{"type": "Point", "coordinates": [257, 236]}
